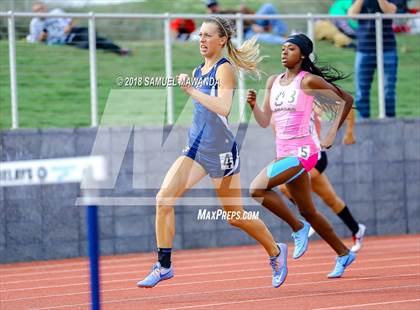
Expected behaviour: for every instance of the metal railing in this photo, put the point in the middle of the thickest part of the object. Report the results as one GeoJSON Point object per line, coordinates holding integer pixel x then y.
{"type": "Point", "coordinates": [239, 18]}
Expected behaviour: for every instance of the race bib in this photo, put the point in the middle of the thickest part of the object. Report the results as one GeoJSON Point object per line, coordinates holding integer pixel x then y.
{"type": "Point", "coordinates": [226, 161]}
{"type": "Point", "coordinates": [286, 99]}
{"type": "Point", "coordinates": [304, 152]}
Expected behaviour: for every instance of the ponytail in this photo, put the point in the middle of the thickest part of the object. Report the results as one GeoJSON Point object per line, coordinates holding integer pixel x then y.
{"type": "Point", "coordinates": [323, 103]}
{"type": "Point", "coordinates": [247, 56]}
{"type": "Point", "coordinates": [328, 73]}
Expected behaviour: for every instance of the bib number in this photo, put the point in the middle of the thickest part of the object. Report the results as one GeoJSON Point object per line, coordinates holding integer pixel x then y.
{"type": "Point", "coordinates": [287, 97]}
{"type": "Point", "coordinates": [304, 152]}
{"type": "Point", "coordinates": [226, 161]}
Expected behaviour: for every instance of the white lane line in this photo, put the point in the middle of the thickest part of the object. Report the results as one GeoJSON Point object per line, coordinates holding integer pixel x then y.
{"type": "Point", "coordinates": [249, 262]}
{"type": "Point", "coordinates": [147, 265]}
{"type": "Point", "coordinates": [231, 279]}
{"type": "Point", "coordinates": [132, 281]}
{"type": "Point", "coordinates": [238, 302]}
{"type": "Point", "coordinates": [371, 304]}
{"type": "Point", "coordinates": [294, 296]}
{"type": "Point", "coordinates": [215, 266]}
{"type": "Point", "coordinates": [319, 247]}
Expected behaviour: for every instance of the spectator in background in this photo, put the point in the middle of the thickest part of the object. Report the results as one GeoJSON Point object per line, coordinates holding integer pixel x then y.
{"type": "Point", "coordinates": [402, 6]}
{"type": "Point", "coordinates": [266, 31]}
{"type": "Point", "coordinates": [341, 32]}
{"type": "Point", "coordinates": [182, 28]}
{"type": "Point", "coordinates": [414, 23]}
{"type": "Point", "coordinates": [401, 25]}
{"type": "Point", "coordinates": [214, 8]}
{"type": "Point", "coordinates": [365, 63]}
{"type": "Point", "coordinates": [346, 26]}
{"type": "Point", "coordinates": [54, 30]}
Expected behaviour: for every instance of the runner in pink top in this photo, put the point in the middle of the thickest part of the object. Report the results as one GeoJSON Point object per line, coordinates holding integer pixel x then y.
{"type": "Point", "coordinates": [291, 102]}
{"type": "Point", "coordinates": [292, 119]}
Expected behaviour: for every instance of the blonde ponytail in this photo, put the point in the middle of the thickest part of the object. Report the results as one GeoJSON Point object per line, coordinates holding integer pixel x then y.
{"type": "Point", "coordinates": [247, 56]}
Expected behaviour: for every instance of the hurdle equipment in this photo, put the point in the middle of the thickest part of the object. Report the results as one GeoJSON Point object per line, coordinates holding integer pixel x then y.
{"type": "Point", "coordinates": [87, 171]}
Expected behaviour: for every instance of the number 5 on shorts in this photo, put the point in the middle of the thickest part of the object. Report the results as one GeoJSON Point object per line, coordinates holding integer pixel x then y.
{"type": "Point", "coordinates": [304, 152]}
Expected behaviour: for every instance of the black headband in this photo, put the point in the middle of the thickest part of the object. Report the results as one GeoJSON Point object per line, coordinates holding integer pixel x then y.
{"type": "Point", "coordinates": [305, 45]}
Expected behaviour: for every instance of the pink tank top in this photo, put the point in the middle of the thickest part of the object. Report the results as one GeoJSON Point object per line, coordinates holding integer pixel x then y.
{"type": "Point", "coordinates": [293, 119]}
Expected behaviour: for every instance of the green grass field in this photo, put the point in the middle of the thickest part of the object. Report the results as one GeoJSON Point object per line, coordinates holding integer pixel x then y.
{"type": "Point", "coordinates": [53, 81]}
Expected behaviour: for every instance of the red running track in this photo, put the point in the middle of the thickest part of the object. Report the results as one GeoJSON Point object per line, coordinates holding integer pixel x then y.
{"type": "Point", "coordinates": [385, 275]}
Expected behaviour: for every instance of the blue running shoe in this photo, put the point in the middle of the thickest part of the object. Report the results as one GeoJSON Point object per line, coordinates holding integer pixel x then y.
{"type": "Point", "coordinates": [157, 274]}
{"type": "Point", "coordinates": [341, 264]}
{"type": "Point", "coordinates": [301, 240]}
{"type": "Point", "coordinates": [279, 265]}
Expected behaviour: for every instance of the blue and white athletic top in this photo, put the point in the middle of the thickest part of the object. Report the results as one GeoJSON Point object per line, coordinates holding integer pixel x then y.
{"type": "Point", "coordinates": [209, 131]}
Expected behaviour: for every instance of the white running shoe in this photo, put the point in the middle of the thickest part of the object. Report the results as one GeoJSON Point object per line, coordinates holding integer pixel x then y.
{"type": "Point", "coordinates": [358, 238]}
{"type": "Point", "coordinates": [311, 232]}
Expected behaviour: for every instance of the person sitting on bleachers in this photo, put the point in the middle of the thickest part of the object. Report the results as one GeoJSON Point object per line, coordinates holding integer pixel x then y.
{"type": "Point", "coordinates": [53, 30]}
{"type": "Point", "coordinates": [266, 31]}
{"type": "Point", "coordinates": [341, 32]}
{"type": "Point", "coordinates": [182, 28]}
